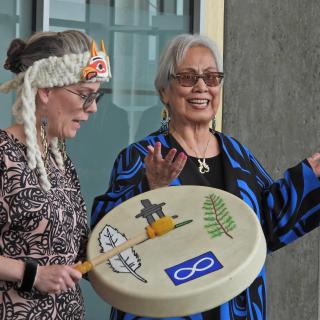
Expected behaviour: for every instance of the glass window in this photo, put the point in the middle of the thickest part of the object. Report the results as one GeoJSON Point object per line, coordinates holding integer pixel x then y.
{"type": "Point", "coordinates": [15, 22]}
{"type": "Point", "coordinates": [134, 32]}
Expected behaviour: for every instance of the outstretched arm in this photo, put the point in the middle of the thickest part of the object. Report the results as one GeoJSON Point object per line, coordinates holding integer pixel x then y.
{"type": "Point", "coordinates": [290, 207]}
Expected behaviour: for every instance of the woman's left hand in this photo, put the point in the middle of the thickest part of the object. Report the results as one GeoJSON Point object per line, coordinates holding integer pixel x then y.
{"type": "Point", "coordinates": [314, 162]}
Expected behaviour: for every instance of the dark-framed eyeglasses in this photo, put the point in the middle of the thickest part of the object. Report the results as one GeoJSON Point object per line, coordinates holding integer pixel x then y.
{"type": "Point", "coordinates": [189, 79]}
{"type": "Point", "coordinates": [87, 99]}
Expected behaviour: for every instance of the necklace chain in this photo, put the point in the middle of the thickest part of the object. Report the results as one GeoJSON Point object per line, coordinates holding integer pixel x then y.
{"type": "Point", "coordinates": [203, 166]}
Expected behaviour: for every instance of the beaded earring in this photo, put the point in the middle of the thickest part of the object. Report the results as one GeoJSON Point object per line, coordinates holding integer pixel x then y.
{"type": "Point", "coordinates": [213, 125]}
{"type": "Point", "coordinates": [44, 141]}
{"type": "Point", "coordinates": [165, 120]}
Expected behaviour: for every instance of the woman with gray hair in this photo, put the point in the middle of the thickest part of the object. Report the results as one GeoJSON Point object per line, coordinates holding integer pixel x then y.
{"type": "Point", "coordinates": [188, 151]}
{"type": "Point", "coordinates": [43, 221]}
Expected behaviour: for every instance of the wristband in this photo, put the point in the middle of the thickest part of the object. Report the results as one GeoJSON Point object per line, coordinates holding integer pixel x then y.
{"type": "Point", "coordinates": [29, 276]}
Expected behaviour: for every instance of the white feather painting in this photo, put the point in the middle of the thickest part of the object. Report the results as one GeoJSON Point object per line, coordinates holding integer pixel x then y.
{"type": "Point", "coordinates": [128, 260]}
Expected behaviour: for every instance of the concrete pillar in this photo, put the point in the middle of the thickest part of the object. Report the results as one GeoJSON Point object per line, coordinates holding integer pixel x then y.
{"type": "Point", "coordinates": [271, 104]}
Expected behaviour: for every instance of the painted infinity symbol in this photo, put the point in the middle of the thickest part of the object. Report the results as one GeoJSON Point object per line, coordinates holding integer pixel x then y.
{"type": "Point", "coordinates": [194, 269]}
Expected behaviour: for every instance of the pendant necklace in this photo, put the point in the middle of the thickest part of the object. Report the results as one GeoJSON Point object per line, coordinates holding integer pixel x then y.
{"type": "Point", "coordinates": [203, 166]}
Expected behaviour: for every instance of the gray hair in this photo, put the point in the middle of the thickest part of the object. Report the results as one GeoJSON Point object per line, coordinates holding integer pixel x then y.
{"type": "Point", "coordinates": [173, 54]}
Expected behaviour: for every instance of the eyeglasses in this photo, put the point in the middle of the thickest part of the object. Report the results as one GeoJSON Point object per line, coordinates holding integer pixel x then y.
{"type": "Point", "coordinates": [186, 79]}
{"type": "Point", "coordinates": [88, 99]}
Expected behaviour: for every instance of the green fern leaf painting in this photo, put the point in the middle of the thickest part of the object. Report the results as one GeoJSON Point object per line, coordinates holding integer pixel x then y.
{"type": "Point", "coordinates": [217, 217]}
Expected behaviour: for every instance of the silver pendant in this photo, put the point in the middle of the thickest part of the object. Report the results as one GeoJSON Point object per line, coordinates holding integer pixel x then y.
{"type": "Point", "coordinates": [203, 167]}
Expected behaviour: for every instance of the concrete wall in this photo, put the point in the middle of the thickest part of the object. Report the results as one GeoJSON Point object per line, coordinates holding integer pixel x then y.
{"type": "Point", "coordinates": [271, 104]}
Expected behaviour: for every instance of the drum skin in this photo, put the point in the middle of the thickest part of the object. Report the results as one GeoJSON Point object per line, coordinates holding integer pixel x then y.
{"type": "Point", "coordinates": [190, 269]}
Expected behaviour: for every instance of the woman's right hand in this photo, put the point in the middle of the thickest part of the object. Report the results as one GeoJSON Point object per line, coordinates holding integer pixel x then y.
{"type": "Point", "coordinates": [160, 171]}
{"type": "Point", "coordinates": [56, 278]}
{"type": "Point", "coordinates": [314, 162]}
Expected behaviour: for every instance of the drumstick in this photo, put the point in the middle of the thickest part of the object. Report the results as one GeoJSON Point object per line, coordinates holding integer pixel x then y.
{"type": "Point", "coordinates": [157, 228]}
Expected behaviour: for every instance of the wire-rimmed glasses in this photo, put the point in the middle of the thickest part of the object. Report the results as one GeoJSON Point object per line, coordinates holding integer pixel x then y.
{"type": "Point", "coordinates": [88, 99]}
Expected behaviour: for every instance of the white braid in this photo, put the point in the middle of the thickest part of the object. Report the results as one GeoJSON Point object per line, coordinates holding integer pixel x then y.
{"type": "Point", "coordinates": [57, 154]}
{"type": "Point", "coordinates": [17, 106]}
{"type": "Point", "coordinates": [44, 181]}
{"type": "Point", "coordinates": [13, 84]}
{"type": "Point", "coordinates": [29, 119]}
{"type": "Point", "coordinates": [45, 73]}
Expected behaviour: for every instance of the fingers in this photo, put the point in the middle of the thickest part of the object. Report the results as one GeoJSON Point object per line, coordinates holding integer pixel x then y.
{"type": "Point", "coordinates": [157, 151]}
{"type": "Point", "coordinates": [154, 154]}
{"type": "Point", "coordinates": [181, 161]}
{"type": "Point", "coordinates": [150, 151]}
{"type": "Point", "coordinates": [178, 165]}
{"type": "Point", "coordinates": [62, 285]}
{"type": "Point", "coordinates": [314, 162]}
{"type": "Point", "coordinates": [154, 157]}
{"type": "Point", "coordinates": [316, 156]}
{"type": "Point", "coordinates": [162, 174]}
{"type": "Point", "coordinates": [170, 156]}
{"type": "Point", "coordinates": [56, 278]}
{"type": "Point", "coordinates": [161, 171]}
{"type": "Point", "coordinates": [66, 279]}
{"type": "Point", "coordinates": [75, 274]}
{"type": "Point", "coordinates": [149, 157]}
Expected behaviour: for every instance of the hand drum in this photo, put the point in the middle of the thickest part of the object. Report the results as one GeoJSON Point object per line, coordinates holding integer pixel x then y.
{"type": "Point", "coordinates": [215, 253]}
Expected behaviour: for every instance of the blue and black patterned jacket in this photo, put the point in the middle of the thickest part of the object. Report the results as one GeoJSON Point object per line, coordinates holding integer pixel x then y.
{"type": "Point", "coordinates": [287, 208]}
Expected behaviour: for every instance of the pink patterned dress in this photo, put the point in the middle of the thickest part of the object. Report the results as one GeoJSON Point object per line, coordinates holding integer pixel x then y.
{"type": "Point", "coordinates": [49, 227]}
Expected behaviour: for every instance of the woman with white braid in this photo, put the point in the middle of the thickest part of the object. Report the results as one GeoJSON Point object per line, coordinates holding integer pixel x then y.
{"type": "Point", "coordinates": [43, 222]}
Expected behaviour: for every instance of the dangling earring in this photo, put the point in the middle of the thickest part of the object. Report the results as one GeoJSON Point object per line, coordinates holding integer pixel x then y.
{"type": "Point", "coordinates": [213, 125]}
{"type": "Point", "coordinates": [165, 120]}
{"type": "Point", "coordinates": [63, 149]}
{"type": "Point", "coordinates": [44, 141]}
